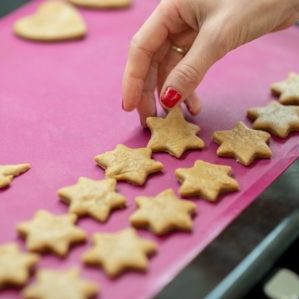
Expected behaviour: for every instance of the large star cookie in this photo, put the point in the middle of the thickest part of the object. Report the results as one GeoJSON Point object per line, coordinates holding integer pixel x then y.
{"type": "Point", "coordinates": [94, 198]}
{"type": "Point", "coordinates": [119, 251]}
{"type": "Point", "coordinates": [102, 3]}
{"type": "Point", "coordinates": [8, 172]}
{"type": "Point", "coordinates": [49, 232]}
{"type": "Point", "coordinates": [163, 213]}
{"type": "Point", "coordinates": [243, 144]}
{"type": "Point", "coordinates": [53, 284]}
{"type": "Point", "coordinates": [287, 90]}
{"type": "Point", "coordinates": [275, 118]}
{"type": "Point", "coordinates": [53, 21]}
{"type": "Point", "coordinates": [206, 180]}
{"type": "Point", "coordinates": [129, 164]}
{"type": "Point", "coordinates": [173, 134]}
{"type": "Point", "coordinates": [15, 266]}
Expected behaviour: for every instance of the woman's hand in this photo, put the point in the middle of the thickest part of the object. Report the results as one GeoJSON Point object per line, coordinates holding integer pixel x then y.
{"type": "Point", "coordinates": [207, 29]}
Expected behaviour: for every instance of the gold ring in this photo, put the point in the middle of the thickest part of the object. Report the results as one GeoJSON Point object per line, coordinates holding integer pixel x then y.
{"type": "Point", "coordinates": [179, 50]}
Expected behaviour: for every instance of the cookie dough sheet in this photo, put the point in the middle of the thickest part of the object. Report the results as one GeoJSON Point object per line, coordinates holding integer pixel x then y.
{"type": "Point", "coordinates": [60, 105]}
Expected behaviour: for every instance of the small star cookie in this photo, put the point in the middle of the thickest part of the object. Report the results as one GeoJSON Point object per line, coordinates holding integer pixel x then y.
{"type": "Point", "coordinates": [15, 266]}
{"type": "Point", "coordinates": [51, 232]}
{"type": "Point", "coordinates": [53, 284]}
{"type": "Point", "coordinates": [287, 90]}
{"type": "Point", "coordinates": [129, 164]}
{"type": "Point", "coordinates": [94, 198]}
{"type": "Point", "coordinates": [119, 251]}
{"type": "Point", "coordinates": [173, 134]}
{"type": "Point", "coordinates": [243, 144]}
{"type": "Point", "coordinates": [275, 118]}
{"type": "Point", "coordinates": [163, 213]}
{"type": "Point", "coordinates": [102, 3]}
{"type": "Point", "coordinates": [206, 180]}
{"type": "Point", "coordinates": [8, 172]}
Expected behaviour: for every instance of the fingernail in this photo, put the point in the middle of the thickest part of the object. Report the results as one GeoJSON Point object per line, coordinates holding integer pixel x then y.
{"type": "Point", "coordinates": [170, 97]}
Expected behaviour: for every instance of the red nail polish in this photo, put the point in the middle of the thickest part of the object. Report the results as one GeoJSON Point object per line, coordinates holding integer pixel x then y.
{"type": "Point", "coordinates": [170, 97]}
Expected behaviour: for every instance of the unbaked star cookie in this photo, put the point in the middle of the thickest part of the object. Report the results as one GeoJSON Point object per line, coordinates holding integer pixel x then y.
{"type": "Point", "coordinates": [275, 118]}
{"type": "Point", "coordinates": [53, 284]}
{"type": "Point", "coordinates": [8, 172]}
{"type": "Point", "coordinates": [15, 266]}
{"type": "Point", "coordinates": [173, 134]}
{"type": "Point", "coordinates": [287, 90]}
{"type": "Point", "coordinates": [94, 198]}
{"type": "Point", "coordinates": [116, 252]}
{"type": "Point", "coordinates": [163, 213]}
{"type": "Point", "coordinates": [129, 164]}
{"type": "Point", "coordinates": [102, 3]}
{"type": "Point", "coordinates": [49, 232]}
{"type": "Point", "coordinates": [54, 21]}
{"type": "Point", "coordinates": [206, 180]}
{"type": "Point", "coordinates": [243, 144]}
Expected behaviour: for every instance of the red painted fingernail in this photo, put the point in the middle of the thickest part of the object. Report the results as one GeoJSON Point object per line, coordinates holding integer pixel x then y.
{"type": "Point", "coordinates": [170, 97]}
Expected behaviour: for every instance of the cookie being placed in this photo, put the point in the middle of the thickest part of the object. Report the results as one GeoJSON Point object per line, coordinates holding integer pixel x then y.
{"type": "Point", "coordinates": [54, 21]}
{"type": "Point", "coordinates": [129, 164]}
{"type": "Point", "coordinates": [243, 144]}
{"type": "Point", "coordinates": [116, 252]}
{"type": "Point", "coordinates": [53, 284]}
{"type": "Point", "coordinates": [173, 134]}
{"type": "Point", "coordinates": [111, 4]}
{"type": "Point", "coordinates": [275, 118]}
{"type": "Point", "coordinates": [49, 232]}
{"type": "Point", "coordinates": [206, 180]}
{"type": "Point", "coordinates": [94, 198]}
{"type": "Point", "coordinates": [8, 172]}
{"type": "Point", "coordinates": [287, 90]}
{"type": "Point", "coordinates": [163, 213]}
{"type": "Point", "coordinates": [15, 266]}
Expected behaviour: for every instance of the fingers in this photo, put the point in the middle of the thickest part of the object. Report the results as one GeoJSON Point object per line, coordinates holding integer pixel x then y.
{"type": "Point", "coordinates": [193, 104]}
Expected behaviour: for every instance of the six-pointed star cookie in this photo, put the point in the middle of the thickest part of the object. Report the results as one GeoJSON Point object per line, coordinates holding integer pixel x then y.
{"type": "Point", "coordinates": [51, 232]}
{"type": "Point", "coordinates": [206, 180]}
{"type": "Point", "coordinates": [129, 164]}
{"type": "Point", "coordinates": [287, 90]}
{"type": "Point", "coordinates": [119, 251]}
{"type": "Point", "coordinates": [15, 266]}
{"type": "Point", "coordinates": [163, 213]}
{"type": "Point", "coordinates": [243, 144]}
{"type": "Point", "coordinates": [8, 172]}
{"type": "Point", "coordinates": [275, 118]}
{"type": "Point", "coordinates": [173, 134]}
{"type": "Point", "coordinates": [53, 284]}
{"type": "Point", "coordinates": [94, 198]}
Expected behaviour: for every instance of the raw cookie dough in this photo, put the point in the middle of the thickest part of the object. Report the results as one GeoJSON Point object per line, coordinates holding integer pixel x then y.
{"type": "Point", "coordinates": [163, 213]}
{"type": "Point", "coordinates": [243, 144]}
{"type": "Point", "coordinates": [102, 3]}
{"type": "Point", "coordinates": [129, 164]}
{"type": "Point", "coordinates": [94, 198]}
{"type": "Point", "coordinates": [8, 172]}
{"type": "Point", "coordinates": [53, 21]}
{"type": "Point", "coordinates": [15, 266]}
{"type": "Point", "coordinates": [275, 118]}
{"type": "Point", "coordinates": [206, 180]}
{"type": "Point", "coordinates": [173, 134]}
{"type": "Point", "coordinates": [49, 232]}
{"type": "Point", "coordinates": [116, 252]}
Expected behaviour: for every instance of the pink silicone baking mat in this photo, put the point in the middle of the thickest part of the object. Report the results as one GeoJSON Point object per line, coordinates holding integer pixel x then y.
{"type": "Point", "coordinates": [60, 106]}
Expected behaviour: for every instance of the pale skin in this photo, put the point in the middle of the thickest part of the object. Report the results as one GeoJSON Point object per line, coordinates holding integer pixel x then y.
{"type": "Point", "coordinates": [207, 30]}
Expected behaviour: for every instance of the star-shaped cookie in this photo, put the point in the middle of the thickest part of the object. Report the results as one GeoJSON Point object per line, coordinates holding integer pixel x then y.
{"type": "Point", "coordinates": [275, 118]}
{"type": "Point", "coordinates": [206, 180]}
{"type": "Point", "coordinates": [173, 134]}
{"type": "Point", "coordinates": [243, 144]}
{"type": "Point", "coordinates": [129, 164]}
{"type": "Point", "coordinates": [163, 213]}
{"type": "Point", "coordinates": [53, 284]}
{"type": "Point", "coordinates": [287, 90]}
{"type": "Point", "coordinates": [15, 266]}
{"type": "Point", "coordinates": [8, 172]}
{"type": "Point", "coordinates": [94, 198]}
{"type": "Point", "coordinates": [116, 252]}
{"type": "Point", "coordinates": [49, 232]}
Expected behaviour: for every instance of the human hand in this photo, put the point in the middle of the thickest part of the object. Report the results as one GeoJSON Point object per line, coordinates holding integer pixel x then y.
{"type": "Point", "coordinates": [207, 29]}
